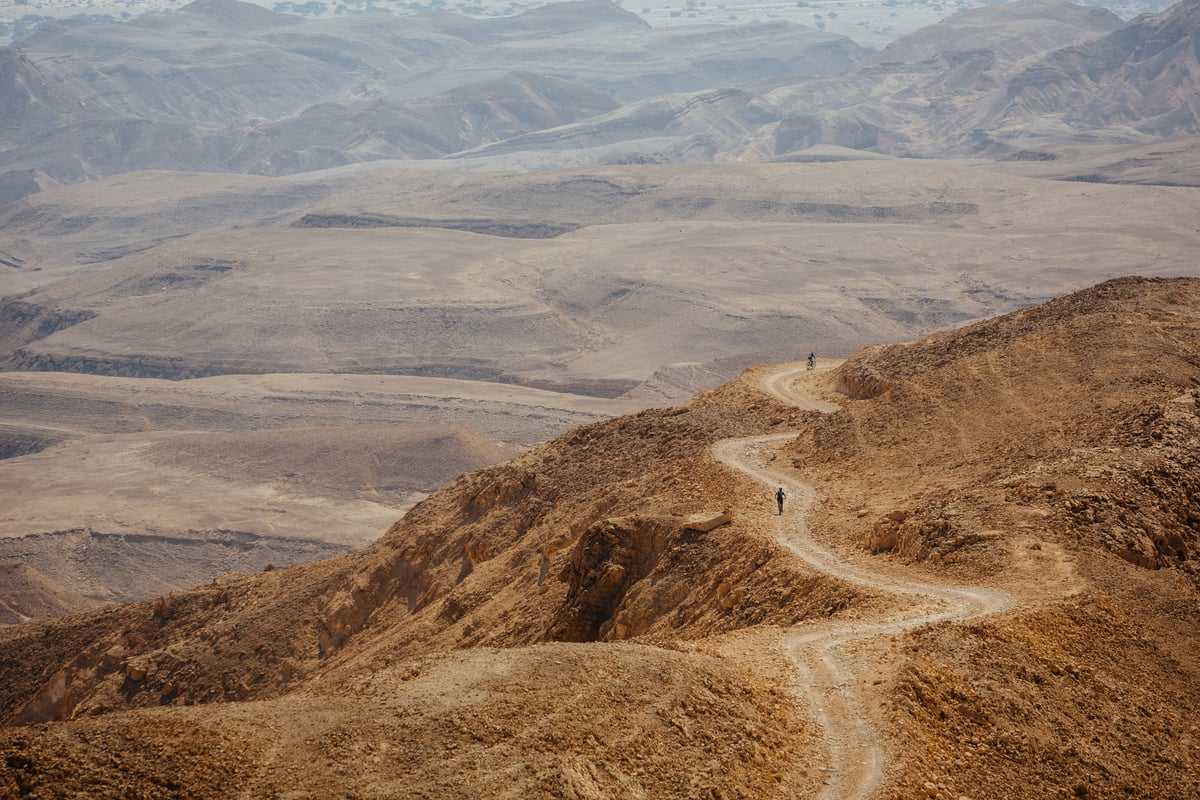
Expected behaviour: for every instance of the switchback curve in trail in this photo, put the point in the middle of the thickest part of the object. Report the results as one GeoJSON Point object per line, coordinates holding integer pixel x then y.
{"type": "Point", "coordinates": [854, 748]}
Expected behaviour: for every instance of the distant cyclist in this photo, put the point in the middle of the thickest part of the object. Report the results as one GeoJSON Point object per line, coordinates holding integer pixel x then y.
{"type": "Point", "coordinates": [812, 360]}
{"type": "Point", "coordinates": [779, 495]}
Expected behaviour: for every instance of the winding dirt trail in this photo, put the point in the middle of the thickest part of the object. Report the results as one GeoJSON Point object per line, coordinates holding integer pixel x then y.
{"type": "Point", "coordinates": [855, 750]}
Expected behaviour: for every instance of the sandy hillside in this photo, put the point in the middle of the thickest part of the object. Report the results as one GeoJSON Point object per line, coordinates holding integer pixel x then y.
{"type": "Point", "coordinates": [984, 576]}
{"type": "Point", "coordinates": [27, 594]}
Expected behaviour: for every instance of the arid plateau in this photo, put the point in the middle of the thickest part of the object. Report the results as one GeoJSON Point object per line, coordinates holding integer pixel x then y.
{"type": "Point", "coordinates": [422, 406]}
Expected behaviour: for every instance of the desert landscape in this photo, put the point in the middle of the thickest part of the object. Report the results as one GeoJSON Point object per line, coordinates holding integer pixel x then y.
{"type": "Point", "coordinates": [264, 398]}
{"type": "Point", "coordinates": [394, 406]}
{"type": "Point", "coordinates": [1009, 614]}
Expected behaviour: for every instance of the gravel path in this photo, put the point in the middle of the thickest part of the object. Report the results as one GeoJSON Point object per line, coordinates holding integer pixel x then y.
{"type": "Point", "coordinates": [855, 750]}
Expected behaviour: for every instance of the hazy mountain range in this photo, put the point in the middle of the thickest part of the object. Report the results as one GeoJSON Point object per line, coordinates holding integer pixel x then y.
{"type": "Point", "coordinates": [227, 86]}
{"type": "Point", "coordinates": [871, 22]}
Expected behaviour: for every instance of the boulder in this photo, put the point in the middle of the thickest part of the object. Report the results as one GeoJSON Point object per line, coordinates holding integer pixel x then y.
{"type": "Point", "coordinates": [705, 521]}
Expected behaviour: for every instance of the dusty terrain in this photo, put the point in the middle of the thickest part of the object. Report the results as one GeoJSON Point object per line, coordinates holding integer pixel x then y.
{"type": "Point", "coordinates": [123, 489]}
{"type": "Point", "coordinates": [556, 625]}
{"type": "Point", "coordinates": [1169, 162]}
{"type": "Point", "coordinates": [454, 275]}
{"type": "Point", "coordinates": [471, 307]}
{"type": "Point", "coordinates": [985, 580]}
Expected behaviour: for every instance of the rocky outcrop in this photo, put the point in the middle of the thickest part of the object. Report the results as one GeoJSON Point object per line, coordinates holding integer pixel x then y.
{"type": "Point", "coordinates": [142, 366]}
{"type": "Point", "coordinates": [15, 443]}
{"type": "Point", "coordinates": [22, 323]}
{"type": "Point", "coordinates": [1146, 509]}
{"type": "Point", "coordinates": [859, 382]}
{"type": "Point", "coordinates": [705, 521]}
{"type": "Point", "coordinates": [933, 530]}
{"type": "Point", "coordinates": [605, 562]}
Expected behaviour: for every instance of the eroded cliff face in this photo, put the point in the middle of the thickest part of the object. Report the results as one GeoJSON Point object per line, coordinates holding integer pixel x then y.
{"type": "Point", "coordinates": [1138, 491]}
{"type": "Point", "coordinates": [22, 322]}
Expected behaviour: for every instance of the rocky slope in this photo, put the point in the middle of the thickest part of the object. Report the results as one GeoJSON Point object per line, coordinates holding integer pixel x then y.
{"type": "Point", "coordinates": [537, 542]}
{"type": "Point", "coordinates": [1073, 425]}
{"type": "Point", "coordinates": [538, 550]}
{"type": "Point", "coordinates": [30, 102]}
{"type": "Point", "coordinates": [559, 625]}
{"type": "Point", "coordinates": [27, 594]}
{"type": "Point", "coordinates": [1092, 425]}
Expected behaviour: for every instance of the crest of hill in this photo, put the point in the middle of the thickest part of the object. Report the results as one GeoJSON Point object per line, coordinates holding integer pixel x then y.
{"type": "Point", "coordinates": [1008, 32]}
{"type": "Point", "coordinates": [236, 15]}
{"type": "Point", "coordinates": [1006, 78]}
{"type": "Point", "coordinates": [1085, 408]}
{"type": "Point", "coordinates": [875, 369]}
{"type": "Point", "coordinates": [930, 92]}
{"type": "Point", "coordinates": [554, 19]}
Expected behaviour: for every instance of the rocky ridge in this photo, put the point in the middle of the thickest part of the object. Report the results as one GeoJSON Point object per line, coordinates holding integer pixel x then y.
{"type": "Point", "coordinates": [1091, 428]}
{"type": "Point", "coordinates": [1103, 463]}
{"type": "Point", "coordinates": [574, 562]}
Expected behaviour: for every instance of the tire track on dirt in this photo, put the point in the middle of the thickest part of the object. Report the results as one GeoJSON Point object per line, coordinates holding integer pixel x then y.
{"type": "Point", "coordinates": [856, 754]}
